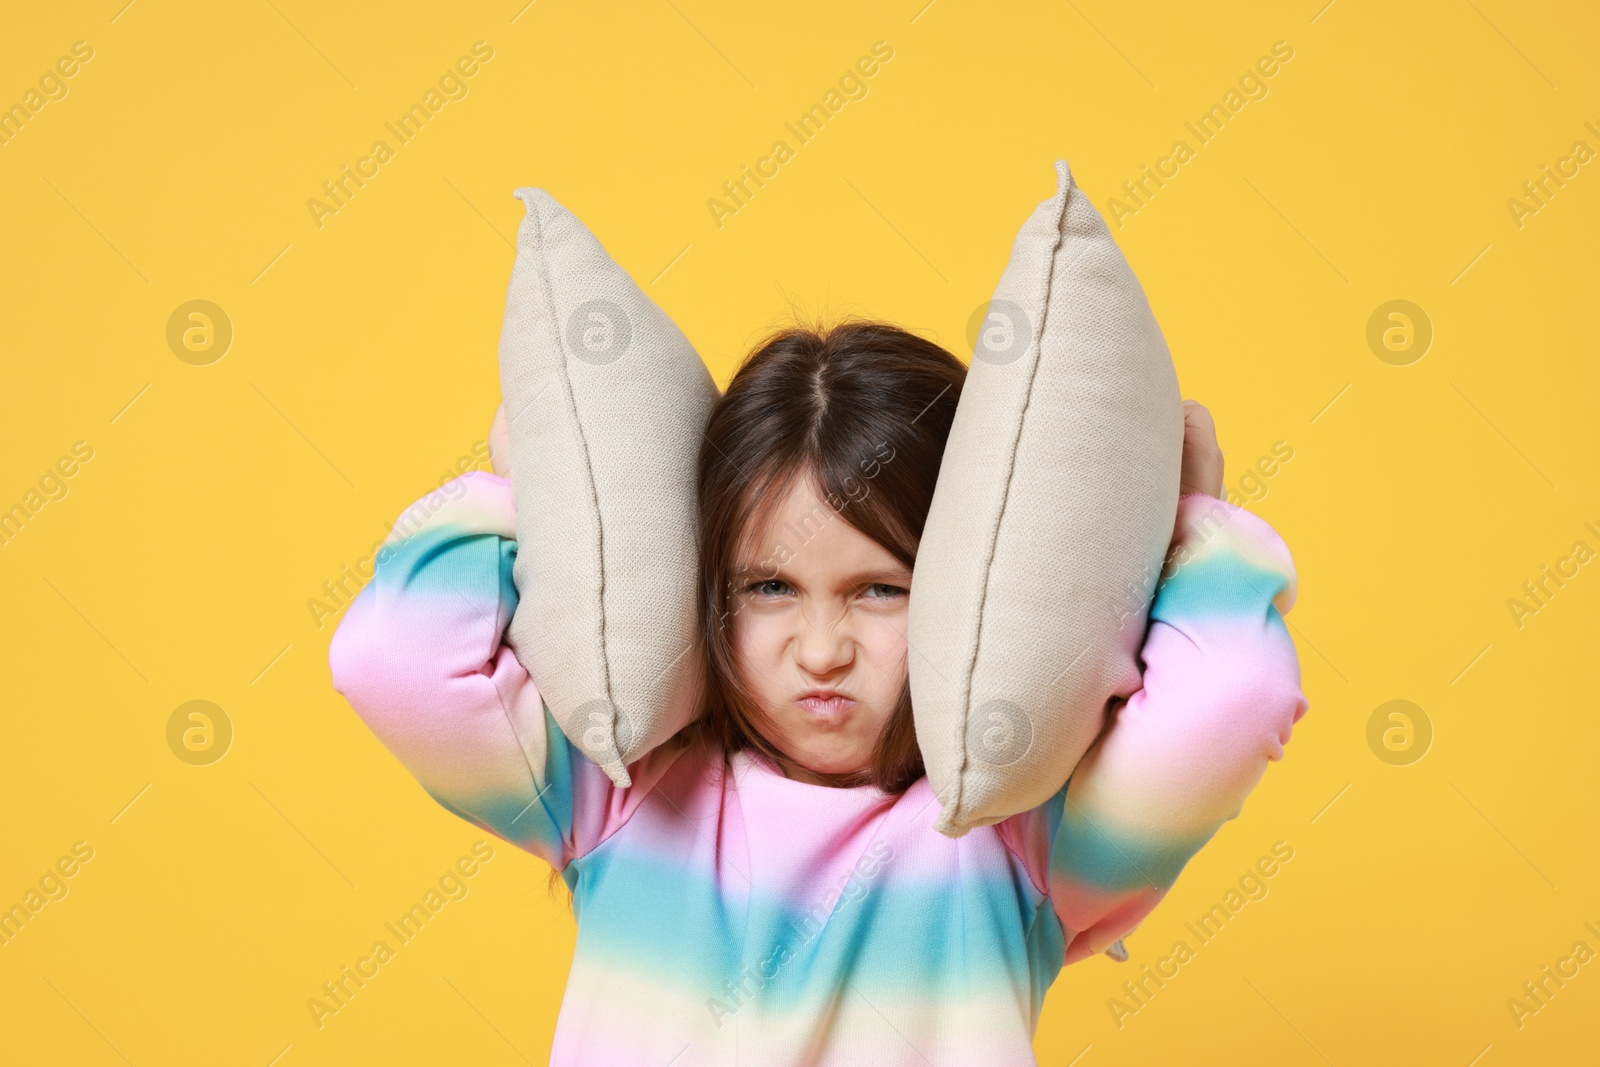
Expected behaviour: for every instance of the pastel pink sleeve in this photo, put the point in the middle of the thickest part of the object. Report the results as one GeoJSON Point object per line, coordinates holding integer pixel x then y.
{"type": "Point", "coordinates": [1220, 697]}
{"type": "Point", "coordinates": [420, 656]}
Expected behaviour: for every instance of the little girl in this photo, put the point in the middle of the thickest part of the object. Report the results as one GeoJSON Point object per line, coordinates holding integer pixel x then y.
{"type": "Point", "coordinates": [770, 890]}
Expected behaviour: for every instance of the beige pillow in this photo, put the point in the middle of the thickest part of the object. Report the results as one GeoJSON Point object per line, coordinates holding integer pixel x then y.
{"type": "Point", "coordinates": [605, 402]}
{"type": "Point", "coordinates": [1055, 505]}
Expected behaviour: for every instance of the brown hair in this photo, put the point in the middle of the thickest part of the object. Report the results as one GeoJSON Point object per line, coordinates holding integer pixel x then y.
{"type": "Point", "coordinates": [828, 402]}
{"type": "Point", "coordinates": [863, 408]}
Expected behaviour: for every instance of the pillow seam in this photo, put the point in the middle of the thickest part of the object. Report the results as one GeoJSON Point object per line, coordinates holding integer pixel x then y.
{"type": "Point", "coordinates": [988, 570]}
{"type": "Point", "coordinates": [588, 468]}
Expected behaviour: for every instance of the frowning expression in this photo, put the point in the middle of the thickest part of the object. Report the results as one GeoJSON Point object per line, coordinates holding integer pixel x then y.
{"type": "Point", "coordinates": [819, 624]}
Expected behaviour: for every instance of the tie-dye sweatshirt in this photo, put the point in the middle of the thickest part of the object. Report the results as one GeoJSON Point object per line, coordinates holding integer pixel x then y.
{"type": "Point", "coordinates": [742, 917]}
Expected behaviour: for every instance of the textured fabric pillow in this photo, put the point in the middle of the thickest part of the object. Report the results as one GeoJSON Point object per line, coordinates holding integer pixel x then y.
{"type": "Point", "coordinates": [1055, 505]}
{"type": "Point", "coordinates": [605, 402]}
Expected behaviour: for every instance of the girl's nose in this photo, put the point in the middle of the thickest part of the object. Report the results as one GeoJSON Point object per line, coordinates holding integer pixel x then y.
{"type": "Point", "coordinates": [824, 642]}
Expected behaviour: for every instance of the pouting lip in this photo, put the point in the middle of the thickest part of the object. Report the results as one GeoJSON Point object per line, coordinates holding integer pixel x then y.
{"type": "Point", "coordinates": [824, 694]}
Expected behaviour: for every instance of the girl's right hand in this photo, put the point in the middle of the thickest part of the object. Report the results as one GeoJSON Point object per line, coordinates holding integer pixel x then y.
{"type": "Point", "coordinates": [1202, 457]}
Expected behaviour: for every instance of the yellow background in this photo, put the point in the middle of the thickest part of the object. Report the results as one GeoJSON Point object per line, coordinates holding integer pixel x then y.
{"type": "Point", "coordinates": [1418, 500]}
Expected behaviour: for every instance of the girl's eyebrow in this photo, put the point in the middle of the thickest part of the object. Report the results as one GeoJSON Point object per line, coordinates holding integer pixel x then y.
{"type": "Point", "coordinates": [744, 574]}
{"type": "Point", "coordinates": [896, 574]}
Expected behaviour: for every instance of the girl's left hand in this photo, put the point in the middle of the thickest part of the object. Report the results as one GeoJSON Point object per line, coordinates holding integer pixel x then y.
{"type": "Point", "coordinates": [499, 444]}
{"type": "Point", "coordinates": [1202, 458]}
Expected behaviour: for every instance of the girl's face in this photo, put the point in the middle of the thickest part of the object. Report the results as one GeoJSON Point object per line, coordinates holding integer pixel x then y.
{"type": "Point", "coordinates": [818, 606]}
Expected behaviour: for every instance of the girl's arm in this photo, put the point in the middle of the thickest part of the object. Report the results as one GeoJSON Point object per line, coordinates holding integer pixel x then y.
{"type": "Point", "coordinates": [419, 656]}
{"type": "Point", "coordinates": [1221, 694]}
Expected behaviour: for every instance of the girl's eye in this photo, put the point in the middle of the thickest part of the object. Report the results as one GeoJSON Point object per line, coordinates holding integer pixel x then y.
{"type": "Point", "coordinates": [893, 591]}
{"type": "Point", "coordinates": [762, 588]}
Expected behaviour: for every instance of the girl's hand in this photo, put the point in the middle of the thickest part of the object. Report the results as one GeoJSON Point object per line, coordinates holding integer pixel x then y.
{"type": "Point", "coordinates": [1202, 458]}
{"type": "Point", "coordinates": [500, 444]}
